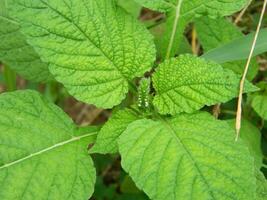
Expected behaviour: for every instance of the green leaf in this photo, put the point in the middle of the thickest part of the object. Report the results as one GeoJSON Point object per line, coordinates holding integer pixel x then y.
{"type": "Point", "coordinates": [188, 83]}
{"type": "Point", "coordinates": [42, 154]}
{"type": "Point", "coordinates": [181, 12]}
{"type": "Point", "coordinates": [130, 6]}
{"type": "Point", "coordinates": [191, 156]}
{"type": "Point", "coordinates": [238, 49]}
{"type": "Point", "coordinates": [251, 136]}
{"type": "Point", "coordinates": [107, 137]}
{"type": "Point", "coordinates": [213, 33]}
{"type": "Point", "coordinates": [196, 7]}
{"type": "Point", "coordinates": [17, 53]}
{"type": "Point", "coordinates": [261, 186]}
{"type": "Point", "coordinates": [94, 47]}
{"type": "Point", "coordinates": [259, 104]}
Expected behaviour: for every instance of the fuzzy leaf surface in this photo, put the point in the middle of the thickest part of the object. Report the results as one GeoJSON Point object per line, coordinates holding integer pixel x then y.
{"type": "Point", "coordinates": [108, 136]}
{"type": "Point", "coordinates": [187, 83]}
{"type": "Point", "coordinates": [94, 47]}
{"type": "Point", "coordinates": [42, 154]}
{"type": "Point", "coordinates": [191, 156]}
{"type": "Point", "coordinates": [17, 53]}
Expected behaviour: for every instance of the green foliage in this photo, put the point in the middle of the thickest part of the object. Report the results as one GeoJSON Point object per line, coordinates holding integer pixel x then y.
{"type": "Point", "coordinates": [238, 49]}
{"type": "Point", "coordinates": [251, 135]}
{"type": "Point", "coordinates": [214, 33]}
{"type": "Point", "coordinates": [104, 54]}
{"type": "Point", "coordinates": [191, 156]}
{"type": "Point", "coordinates": [187, 83]}
{"type": "Point", "coordinates": [107, 138]}
{"type": "Point", "coordinates": [259, 101]}
{"type": "Point", "coordinates": [42, 154]}
{"type": "Point", "coordinates": [196, 8]}
{"type": "Point", "coordinates": [17, 53]}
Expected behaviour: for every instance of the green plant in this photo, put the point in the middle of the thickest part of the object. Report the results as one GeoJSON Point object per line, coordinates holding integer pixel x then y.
{"type": "Point", "coordinates": [170, 145]}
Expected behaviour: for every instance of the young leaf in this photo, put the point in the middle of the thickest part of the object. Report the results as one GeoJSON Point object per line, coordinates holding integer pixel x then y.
{"type": "Point", "coordinates": [17, 53]}
{"type": "Point", "coordinates": [94, 47]}
{"type": "Point", "coordinates": [191, 156]}
{"type": "Point", "coordinates": [187, 83]}
{"type": "Point", "coordinates": [42, 154]}
{"type": "Point", "coordinates": [107, 138]}
{"type": "Point", "coordinates": [214, 33]}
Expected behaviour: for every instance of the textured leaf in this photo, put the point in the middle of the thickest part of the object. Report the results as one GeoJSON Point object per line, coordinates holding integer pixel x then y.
{"type": "Point", "coordinates": [107, 138]}
{"type": "Point", "coordinates": [94, 47]}
{"type": "Point", "coordinates": [42, 154]}
{"type": "Point", "coordinates": [261, 186]}
{"type": "Point", "coordinates": [251, 135]}
{"type": "Point", "coordinates": [192, 156]}
{"type": "Point", "coordinates": [214, 33]}
{"type": "Point", "coordinates": [187, 83]}
{"type": "Point", "coordinates": [196, 7]}
{"type": "Point", "coordinates": [16, 53]}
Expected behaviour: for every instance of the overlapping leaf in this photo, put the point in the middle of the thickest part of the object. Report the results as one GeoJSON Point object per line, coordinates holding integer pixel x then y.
{"type": "Point", "coordinates": [187, 83]}
{"type": "Point", "coordinates": [191, 156]}
{"type": "Point", "coordinates": [214, 33]}
{"type": "Point", "coordinates": [181, 12]}
{"type": "Point", "coordinates": [94, 47]}
{"type": "Point", "coordinates": [108, 136]}
{"type": "Point", "coordinates": [42, 155]}
{"type": "Point", "coordinates": [17, 53]}
{"type": "Point", "coordinates": [251, 136]}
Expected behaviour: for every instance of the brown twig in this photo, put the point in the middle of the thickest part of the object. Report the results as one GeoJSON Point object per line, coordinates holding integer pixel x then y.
{"type": "Point", "coordinates": [242, 82]}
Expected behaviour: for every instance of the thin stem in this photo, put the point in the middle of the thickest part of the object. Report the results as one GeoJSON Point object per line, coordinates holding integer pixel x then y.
{"type": "Point", "coordinates": [10, 79]}
{"type": "Point", "coordinates": [242, 82]}
{"type": "Point", "coordinates": [239, 17]}
{"type": "Point", "coordinates": [174, 28]}
{"type": "Point", "coordinates": [194, 41]}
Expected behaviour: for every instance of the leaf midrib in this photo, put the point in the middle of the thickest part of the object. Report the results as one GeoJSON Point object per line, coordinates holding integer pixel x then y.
{"type": "Point", "coordinates": [85, 35]}
{"type": "Point", "coordinates": [47, 149]}
{"type": "Point", "coordinates": [173, 133]}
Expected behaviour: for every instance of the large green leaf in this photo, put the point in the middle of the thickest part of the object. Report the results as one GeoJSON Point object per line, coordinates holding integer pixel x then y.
{"type": "Point", "coordinates": [259, 104]}
{"type": "Point", "coordinates": [107, 138]}
{"type": "Point", "coordinates": [214, 33]}
{"type": "Point", "coordinates": [94, 47]}
{"type": "Point", "coordinates": [238, 49]}
{"type": "Point", "coordinates": [187, 83]}
{"type": "Point", "coordinates": [191, 156]}
{"type": "Point", "coordinates": [42, 154]}
{"type": "Point", "coordinates": [17, 53]}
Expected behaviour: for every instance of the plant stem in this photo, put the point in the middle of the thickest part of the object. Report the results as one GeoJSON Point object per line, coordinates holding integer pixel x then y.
{"type": "Point", "coordinates": [174, 28]}
{"type": "Point", "coordinates": [242, 82]}
{"type": "Point", "coordinates": [238, 18]}
{"type": "Point", "coordinates": [10, 79]}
